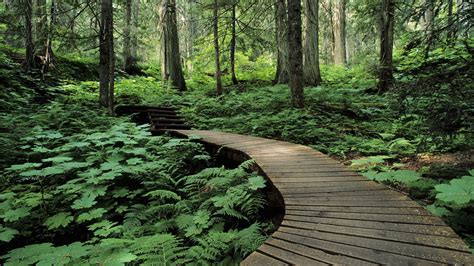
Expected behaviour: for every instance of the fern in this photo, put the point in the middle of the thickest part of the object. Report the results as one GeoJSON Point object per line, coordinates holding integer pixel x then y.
{"type": "Point", "coordinates": [159, 249]}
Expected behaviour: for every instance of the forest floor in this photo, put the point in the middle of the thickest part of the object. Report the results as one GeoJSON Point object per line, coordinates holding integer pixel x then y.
{"type": "Point", "coordinates": [387, 138]}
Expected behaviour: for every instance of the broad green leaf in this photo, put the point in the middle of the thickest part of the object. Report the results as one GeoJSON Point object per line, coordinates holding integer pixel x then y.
{"type": "Point", "coordinates": [90, 215]}
{"type": "Point", "coordinates": [86, 201]}
{"type": "Point", "coordinates": [458, 191]}
{"type": "Point", "coordinates": [21, 167]}
{"type": "Point", "coordinates": [438, 211]}
{"type": "Point", "coordinates": [58, 159]}
{"type": "Point", "coordinates": [13, 215]}
{"type": "Point", "coordinates": [61, 219]}
{"type": "Point", "coordinates": [7, 234]}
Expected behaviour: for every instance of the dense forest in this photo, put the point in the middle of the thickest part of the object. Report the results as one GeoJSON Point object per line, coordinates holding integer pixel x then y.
{"type": "Point", "coordinates": [384, 86]}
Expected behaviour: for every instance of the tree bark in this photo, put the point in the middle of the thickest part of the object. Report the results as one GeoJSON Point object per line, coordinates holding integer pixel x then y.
{"type": "Point", "coordinates": [171, 69]}
{"type": "Point", "coordinates": [216, 49]}
{"type": "Point", "coordinates": [29, 44]}
{"type": "Point", "coordinates": [127, 52]}
{"type": "Point", "coordinates": [312, 74]}
{"type": "Point", "coordinates": [134, 31]}
{"type": "Point", "coordinates": [107, 56]}
{"type": "Point", "coordinates": [340, 32]}
{"type": "Point", "coordinates": [281, 23]}
{"type": "Point", "coordinates": [295, 53]}
{"type": "Point", "coordinates": [386, 45]}
{"type": "Point", "coordinates": [233, 44]}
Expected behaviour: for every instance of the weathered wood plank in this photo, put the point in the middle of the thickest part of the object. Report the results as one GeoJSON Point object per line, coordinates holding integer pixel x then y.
{"type": "Point", "coordinates": [369, 210]}
{"type": "Point", "coordinates": [429, 220]}
{"type": "Point", "coordinates": [288, 256]}
{"type": "Point", "coordinates": [388, 226]}
{"type": "Point", "coordinates": [415, 251]}
{"type": "Point", "coordinates": [375, 256]}
{"type": "Point", "coordinates": [427, 240]}
{"type": "Point", "coordinates": [257, 258]}
{"type": "Point", "coordinates": [316, 254]}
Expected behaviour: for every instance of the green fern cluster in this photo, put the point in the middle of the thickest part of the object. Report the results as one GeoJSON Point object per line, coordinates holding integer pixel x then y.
{"type": "Point", "coordinates": [120, 196]}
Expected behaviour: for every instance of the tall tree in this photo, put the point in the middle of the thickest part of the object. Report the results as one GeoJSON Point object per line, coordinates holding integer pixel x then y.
{"type": "Point", "coordinates": [107, 56]}
{"type": "Point", "coordinates": [312, 74]}
{"type": "Point", "coordinates": [130, 36]}
{"type": "Point", "coordinates": [386, 45]}
{"type": "Point", "coordinates": [340, 32]}
{"type": "Point", "coordinates": [29, 44]}
{"type": "Point", "coordinates": [127, 38]}
{"type": "Point", "coordinates": [171, 69]}
{"type": "Point", "coordinates": [233, 41]}
{"type": "Point", "coordinates": [281, 25]}
{"type": "Point", "coordinates": [216, 48]}
{"type": "Point", "coordinates": [295, 57]}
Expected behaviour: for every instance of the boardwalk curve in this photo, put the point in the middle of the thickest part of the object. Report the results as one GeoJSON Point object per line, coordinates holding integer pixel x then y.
{"type": "Point", "coordinates": [336, 216]}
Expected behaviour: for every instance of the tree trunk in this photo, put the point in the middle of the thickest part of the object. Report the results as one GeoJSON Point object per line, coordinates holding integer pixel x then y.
{"type": "Point", "coordinates": [386, 45]}
{"type": "Point", "coordinates": [312, 74]}
{"type": "Point", "coordinates": [29, 45]}
{"type": "Point", "coordinates": [134, 31]}
{"type": "Point", "coordinates": [295, 57]}
{"type": "Point", "coordinates": [216, 49]}
{"type": "Point", "coordinates": [107, 57]}
{"type": "Point", "coordinates": [340, 32]}
{"type": "Point", "coordinates": [232, 45]}
{"type": "Point", "coordinates": [281, 24]}
{"type": "Point", "coordinates": [127, 52]}
{"type": "Point", "coordinates": [170, 57]}
{"type": "Point", "coordinates": [451, 26]}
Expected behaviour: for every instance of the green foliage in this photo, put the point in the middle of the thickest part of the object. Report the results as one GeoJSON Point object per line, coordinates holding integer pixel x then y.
{"type": "Point", "coordinates": [458, 191]}
{"type": "Point", "coordinates": [401, 176]}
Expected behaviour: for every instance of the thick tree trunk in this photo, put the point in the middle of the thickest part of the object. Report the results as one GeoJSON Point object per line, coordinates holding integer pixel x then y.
{"type": "Point", "coordinates": [232, 45]}
{"type": "Point", "coordinates": [216, 49]}
{"type": "Point", "coordinates": [107, 57]}
{"type": "Point", "coordinates": [29, 44]}
{"type": "Point", "coordinates": [386, 45]}
{"type": "Point", "coordinates": [312, 74]}
{"type": "Point", "coordinates": [127, 46]}
{"type": "Point", "coordinates": [340, 32]}
{"type": "Point", "coordinates": [281, 24]}
{"type": "Point", "coordinates": [295, 53]}
{"type": "Point", "coordinates": [170, 57]}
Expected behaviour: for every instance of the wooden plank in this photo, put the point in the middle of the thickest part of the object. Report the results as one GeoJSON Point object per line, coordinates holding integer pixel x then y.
{"type": "Point", "coordinates": [415, 251]}
{"type": "Point", "coordinates": [374, 192]}
{"type": "Point", "coordinates": [316, 253]}
{"type": "Point", "coordinates": [257, 258]}
{"type": "Point", "coordinates": [395, 218]}
{"type": "Point", "coordinates": [370, 210]}
{"type": "Point", "coordinates": [277, 179]}
{"type": "Point", "coordinates": [288, 256]}
{"type": "Point", "coordinates": [426, 240]}
{"type": "Point", "coordinates": [303, 169]}
{"type": "Point", "coordinates": [365, 186]}
{"type": "Point", "coordinates": [349, 203]}
{"type": "Point", "coordinates": [357, 199]}
{"type": "Point", "coordinates": [313, 174]}
{"type": "Point", "coordinates": [322, 184]}
{"type": "Point", "coordinates": [388, 226]}
{"type": "Point", "coordinates": [371, 255]}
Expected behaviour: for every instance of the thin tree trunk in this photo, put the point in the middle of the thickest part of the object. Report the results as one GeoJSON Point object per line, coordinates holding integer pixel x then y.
{"type": "Point", "coordinates": [107, 57]}
{"type": "Point", "coordinates": [386, 46]}
{"type": "Point", "coordinates": [232, 45]}
{"type": "Point", "coordinates": [451, 26]}
{"type": "Point", "coordinates": [216, 49]}
{"type": "Point", "coordinates": [170, 58]}
{"type": "Point", "coordinates": [127, 53]}
{"type": "Point", "coordinates": [340, 32]}
{"type": "Point", "coordinates": [281, 25]}
{"type": "Point", "coordinates": [312, 74]}
{"type": "Point", "coordinates": [134, 30]}
{"type": "Point", "coordinates": [29, 45]}
{"type": "Point", "coordinates": [295, 53]}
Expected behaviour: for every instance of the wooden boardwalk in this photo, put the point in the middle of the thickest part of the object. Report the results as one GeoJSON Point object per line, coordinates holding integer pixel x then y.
{"type": "Point", "coordinates": [336, 216]}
